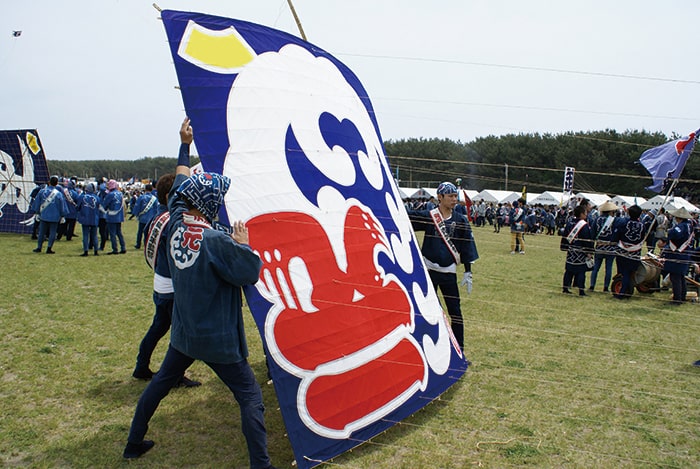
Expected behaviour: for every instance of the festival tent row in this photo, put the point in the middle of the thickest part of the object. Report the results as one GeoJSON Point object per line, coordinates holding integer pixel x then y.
{"type": "Point", "coordinates": [671, 203]}
{"type": "Point", "coordinates": [495, 196]}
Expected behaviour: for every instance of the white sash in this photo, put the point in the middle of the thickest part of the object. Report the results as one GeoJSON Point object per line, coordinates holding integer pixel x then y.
{"type": "Point", "coordinates": [683, 246]}
{"type": "Point", "coordinates": [442, 229]}
{"type": "Point", "coordinates": [48, 200]}
{"type": "Point", "coordinates": [148, 206]}
{"type": "Point", "coordinates": [575, 230]}
{"type": "Point", "coordinates": [150, 249]}
{"type": "Point", "coordinates": [629, 247]}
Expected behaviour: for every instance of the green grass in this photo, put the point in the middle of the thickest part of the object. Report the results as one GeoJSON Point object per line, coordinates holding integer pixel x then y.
{"type": "Point", "coordinates": [556, 380]}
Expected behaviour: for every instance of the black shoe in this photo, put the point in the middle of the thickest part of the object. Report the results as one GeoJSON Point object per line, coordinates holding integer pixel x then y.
{"type": "Point", "coordinates": [582, 293]}
{"type": "Point", "coordinates": [123, 251]}
{"type": "Point", "coordinates": [96, 253]}
{"type": "Point", "coordinates": [36, 250]}
{"type": "Point", "coordinates": [84, 254]}
{"type": "Point", "coordinates": [143, 373]}
{"type": "Point", "coordinates": [136, 450]}
{"type": "Point", "coordinates": [605, 290]}
{"type": "Point", "coordinates": [591, 288]}
{"type": "Point", "coordinates": [137, 247]}
{"type": "Point", "coordinates": [112, 252]}
{"type": "Point", "coordinates": [567, 291]}
{"type": "Point", "coordinates": [185, 382]}
{"type": "Point", "coordinates": [49, 251]}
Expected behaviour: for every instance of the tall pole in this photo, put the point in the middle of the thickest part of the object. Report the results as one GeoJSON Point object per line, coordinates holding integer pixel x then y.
{"type": "Point", "coordinates": [506, 188]}
{"type": "Point", "coordinates": [296, 18]}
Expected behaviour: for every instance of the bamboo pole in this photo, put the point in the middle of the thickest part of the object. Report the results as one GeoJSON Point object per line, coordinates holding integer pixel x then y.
{"type": "Point", "coordinates": [296, 18]}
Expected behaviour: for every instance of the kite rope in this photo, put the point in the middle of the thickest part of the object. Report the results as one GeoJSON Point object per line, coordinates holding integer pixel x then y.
{"type": "Point", "coordinates": [517, 438]}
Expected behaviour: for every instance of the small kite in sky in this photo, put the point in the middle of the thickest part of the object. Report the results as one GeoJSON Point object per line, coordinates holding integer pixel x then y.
{"type": "Point", "coordinates": [16, 33]}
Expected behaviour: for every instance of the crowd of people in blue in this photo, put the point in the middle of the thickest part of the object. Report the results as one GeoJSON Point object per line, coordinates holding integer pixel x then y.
{"type": "Point", "coordinates": [597, 237]}
{"type": "Point", "coordinates": [98, 207]}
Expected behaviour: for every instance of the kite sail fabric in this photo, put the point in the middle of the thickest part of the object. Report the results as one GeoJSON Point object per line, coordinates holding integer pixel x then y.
{"type": "Point", "coordinates": [354, 333]}
{"type": "Point", "coordinates": [22, 168]}
{"type": "Point", "coordinates": [666, 162]}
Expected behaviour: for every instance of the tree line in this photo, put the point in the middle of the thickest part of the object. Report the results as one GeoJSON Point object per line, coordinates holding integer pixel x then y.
{"type": "Point", "coordinates": [605, 161]}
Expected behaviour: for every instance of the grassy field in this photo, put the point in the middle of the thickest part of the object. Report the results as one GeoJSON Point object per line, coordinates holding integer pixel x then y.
{"type": "Point", "coordinates": [556, 380]}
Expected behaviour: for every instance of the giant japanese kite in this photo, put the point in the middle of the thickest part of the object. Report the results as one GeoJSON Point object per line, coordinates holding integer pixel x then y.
{"type": "Point", "coordinates": [355, 335]}
{"type": "Point", "coordinates": [22, 167]}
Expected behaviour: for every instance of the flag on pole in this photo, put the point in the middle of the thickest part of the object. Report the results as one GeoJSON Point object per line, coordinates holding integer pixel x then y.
{"type": "Point", "coordinates": [523, 194]}
{"type": "Point", "coordinates": [666, 162]}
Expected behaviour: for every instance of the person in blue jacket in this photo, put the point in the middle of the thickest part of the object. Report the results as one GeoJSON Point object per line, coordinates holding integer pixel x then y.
{"type": "Point", "coordinates": [448, 242]}
{"type": "Point", "coordinates": [156, 253]}
{"type": "Point", "coordinates": [604, 245]}
{"type": "Point", "coordinates": [113, 204]}
{"type": "Point", "coordinates": [50, 206]}
{"type": "Point", "coordinates": [628, 233]}
{"type": "Point", "coordinates": [102, 225]}
{"type": "Point", "coordinates": [88, 206]}
{"type": "Point", "coordinates": [71, 195]}
{"type": "Point", "coordinates": [208, 268]}
{"type": "Point", "coordinates": [676, 253]}
{"type": "Point", "coordinates": [580, 240]}
{"type": "Point", "coordinates": [145, 209]}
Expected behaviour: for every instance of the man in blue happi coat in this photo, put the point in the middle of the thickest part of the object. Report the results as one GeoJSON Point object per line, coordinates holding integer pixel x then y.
{"type": "Point", "coordinates": [50, 206]}
{"type": "Point", "coordinates": [676, 253]}
{"type": "Point", "coordinates": [209, 268]}
{"type": "Point", "coordinates": [448, 242]}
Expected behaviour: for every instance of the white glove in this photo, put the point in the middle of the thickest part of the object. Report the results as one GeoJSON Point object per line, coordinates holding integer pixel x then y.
{"type": "Point", "coordinates": [467, 280]}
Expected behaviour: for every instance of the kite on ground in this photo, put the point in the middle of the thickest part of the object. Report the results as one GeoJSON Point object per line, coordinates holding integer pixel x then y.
{"type": "Point", "coordinates": [22, 167]}
{"type": "Point", "coordinates": [354, 333]}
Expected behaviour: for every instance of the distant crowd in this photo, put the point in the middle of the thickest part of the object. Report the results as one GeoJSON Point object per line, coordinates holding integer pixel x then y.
{"type": "Point", "coordinates": [599, 236]}
{"type": "Point", "coordinates": [98, 207]}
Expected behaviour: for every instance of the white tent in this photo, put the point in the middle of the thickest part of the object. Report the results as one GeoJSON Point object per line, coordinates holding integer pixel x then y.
{"type": "Point", "coordinates": [497, 196]}
{"type": "Point", "coordinates": [408, 192]}
{"type": "Point", "coordinates": [594, 198]}
{"type": "Point", "coordinates": [416, 193]}
{"type": "Point", "coordinates": [672, 203]}
{"type": "Point", "coordinates": [547, 198]}
{"type": "Point", "coordinates": [532, 195]}
{"type": "Point", "coordinates": [628, 201]}
{"type": "Point", "coordinates": [431, 191]}
{"type": "Point", "coordinates": [471, 193]}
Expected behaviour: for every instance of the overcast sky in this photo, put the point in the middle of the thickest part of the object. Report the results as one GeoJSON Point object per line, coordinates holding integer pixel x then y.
{"type": "Point", "coordinates": [96, 77]}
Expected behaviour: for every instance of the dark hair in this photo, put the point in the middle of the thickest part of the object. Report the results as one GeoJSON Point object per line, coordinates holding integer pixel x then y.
{"type": "Point", "coordinates": [163, 186]}
{"type": "Point", "coordinates": [634, 211]}
{"type": "Point", "coordinates": [53, 181]}
{"type": "Point", "coordinates": [579, 210]}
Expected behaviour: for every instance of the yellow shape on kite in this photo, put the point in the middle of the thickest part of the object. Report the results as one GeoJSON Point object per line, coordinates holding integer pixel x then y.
{"type": "Point", "coordinates": [222, 51]}
{"type": "Point", "coordinates": [33, 143]}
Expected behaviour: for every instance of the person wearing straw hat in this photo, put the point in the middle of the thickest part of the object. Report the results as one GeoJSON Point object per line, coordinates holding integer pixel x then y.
{"type": "Point", "coordinates": [676, 253]}
{"type": "Point", "coordinates": [604, 245]}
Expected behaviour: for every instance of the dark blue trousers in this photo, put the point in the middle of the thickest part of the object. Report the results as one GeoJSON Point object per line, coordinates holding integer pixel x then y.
{"type": "Point", "coordinates": [447, 283]}
{"type": "Point", "coordinates": [238, 377]}
{"type": "Point", "coordinates": [159, 327]}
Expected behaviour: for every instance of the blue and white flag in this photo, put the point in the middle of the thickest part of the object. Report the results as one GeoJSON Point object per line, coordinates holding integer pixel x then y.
{"type": "Point", "coordinates": [666, 162]}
